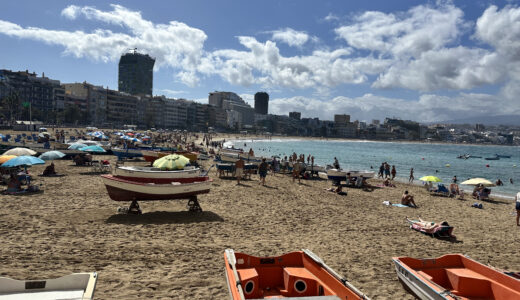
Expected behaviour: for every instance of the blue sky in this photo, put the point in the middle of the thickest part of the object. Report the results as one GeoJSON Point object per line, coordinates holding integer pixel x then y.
{"type": "Point", "coordinates": [424, 61]}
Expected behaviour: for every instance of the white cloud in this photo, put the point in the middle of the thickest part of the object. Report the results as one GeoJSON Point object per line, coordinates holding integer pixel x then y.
{"type": "Point", "coordinates": [291, 37]}
{"type": "Point", "coordinates": [419, 49]}
{"type": "Point", "coordinates": [428, 108]}
{"type": "Point", "coordinates": [331, 17]}
{"type": "Point", "coordinates": [418, 30]}
{"type": "Point", "coordinates": [175, 44]}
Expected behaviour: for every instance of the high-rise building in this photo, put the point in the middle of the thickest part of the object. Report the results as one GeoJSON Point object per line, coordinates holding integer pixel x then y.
{"type": "Point", "coordinates": [261, 103]}
{"type": "Point", "coordinates": [136, 73]}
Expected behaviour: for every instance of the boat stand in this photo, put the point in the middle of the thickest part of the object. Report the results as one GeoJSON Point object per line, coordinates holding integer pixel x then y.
{"type": "Point", "coordinates": [193, 204]}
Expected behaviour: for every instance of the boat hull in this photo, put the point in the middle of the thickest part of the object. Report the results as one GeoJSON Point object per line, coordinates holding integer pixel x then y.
{"type": "Point", "coordinates": [454, 276]}
{"type": "Point", "coordinates": [151, 156]}
{"type": "Point", "coordinates": [295, 275]}
{"type": "Point", "coordinates": [340, 175]}
{"type": "Point", "coordinates": [147, 174]}
{"type": "Point", "coordinates": [120, 189]}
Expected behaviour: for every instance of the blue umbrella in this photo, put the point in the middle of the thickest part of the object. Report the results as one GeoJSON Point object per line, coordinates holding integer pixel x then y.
{"type": "Point", "coordinates": [93, 148]}
{"type": "Point", "coordinates": [76, 146]}
{"type": "Point", "coordinates": [51, 155]}
{"type": "Point", "coordinates": [24, 160]}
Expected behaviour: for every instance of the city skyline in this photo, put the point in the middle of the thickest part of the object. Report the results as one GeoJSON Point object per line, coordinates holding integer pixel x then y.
{"type": "Point", "coordinates": [438, 61]}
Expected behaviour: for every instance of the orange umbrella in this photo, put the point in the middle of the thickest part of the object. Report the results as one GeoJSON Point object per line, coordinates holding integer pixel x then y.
{"type": "Point", "coordinates": [4, 158]}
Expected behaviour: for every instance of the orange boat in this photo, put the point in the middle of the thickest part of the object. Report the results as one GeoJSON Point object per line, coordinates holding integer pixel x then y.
{"type": "Point", "coordinates": [192, 156]}
{"type": "Point", "coordinates": [454, 276]}
{"type": "Point", "coordinates": [296, 275]}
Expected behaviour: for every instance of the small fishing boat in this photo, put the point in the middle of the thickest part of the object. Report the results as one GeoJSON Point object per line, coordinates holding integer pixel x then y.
{"type": "Point", "coordinates": [192, 156]}
{"type": "Point", "coordinates": [155, 175]}
{"type": "Point", "coordinates": [315, 168]}
{"type": "Point", "coordinates": [73, 286]}
{"type": "Point", "coordinates": [126, 152]}
{"type": "Point", "coordinates": [151, 156]}
{"type": "Point", "coordinates": [492, 158]}
{"type": "Point", "coordinates": [341, 175]}
{"type": "Point", "coordinates": [120, 189]}
{"type": "Point", "coordinates": [502, 156]}
{"type": "Point", "coordinates": [453, 277]}
{"type": "Point", "coordinates": [296, 275]}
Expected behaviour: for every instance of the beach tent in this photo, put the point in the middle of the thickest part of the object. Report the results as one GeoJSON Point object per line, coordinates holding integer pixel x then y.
{"type": "Point", "coordinates": [18, 151]}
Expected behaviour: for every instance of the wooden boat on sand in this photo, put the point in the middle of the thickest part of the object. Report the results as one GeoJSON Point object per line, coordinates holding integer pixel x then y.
{"type": "Point", "coordinates": [296, 275]}
{"type": "Point", "coordinates": [120, 189]}
{"type": "Point", "coordinates": [454, 277]}
{"type": "Point", "coordinates": [151, 156]}
{"type": "Point", "coordinates": [74, 286]}
{"type": "Point", "coordinates": [155, 175]}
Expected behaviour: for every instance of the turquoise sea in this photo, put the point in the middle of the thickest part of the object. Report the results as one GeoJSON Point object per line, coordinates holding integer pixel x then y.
{"type": "Point", "coordinates": [427, 159]}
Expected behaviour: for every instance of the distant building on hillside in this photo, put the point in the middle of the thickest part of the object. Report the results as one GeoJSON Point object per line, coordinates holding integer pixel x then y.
{"type": "Point", "coordinates": [295, 115]}
{"type": "Point", "coordinates": [136, 73]}
{"type": "Point", "coordinates": [261, 103]}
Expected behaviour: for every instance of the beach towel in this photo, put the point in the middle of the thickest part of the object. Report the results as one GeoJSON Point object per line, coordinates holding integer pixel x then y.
{"type": "Point", "coordinates": [394, 204]}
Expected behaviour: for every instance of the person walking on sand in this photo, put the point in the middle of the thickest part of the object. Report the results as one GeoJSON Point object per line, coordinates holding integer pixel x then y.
{"type": "Point", "coordinates": [517, 206]}
{"type": "Point", "coordinates": [410, 180]}
{"type": "Point", "coordinates": [239, 169]}
{"type": "Point", "coordinates": [393, 172]}
{"type": "Point", "coordinates": [381, 170]}
{"type": "Point", "coordinates": [262, 171]}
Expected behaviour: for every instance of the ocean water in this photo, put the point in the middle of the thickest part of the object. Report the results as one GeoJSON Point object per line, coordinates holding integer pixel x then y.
{"type": "Point", "coordinates": [427, 159]}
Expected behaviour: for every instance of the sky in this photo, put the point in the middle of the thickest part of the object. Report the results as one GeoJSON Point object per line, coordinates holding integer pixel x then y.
{"type": "Point", "coordinates": [426, 61]}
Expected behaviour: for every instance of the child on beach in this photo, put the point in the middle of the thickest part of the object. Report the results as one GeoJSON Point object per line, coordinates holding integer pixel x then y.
{"type": "Point", "coordinates": [262, 171]}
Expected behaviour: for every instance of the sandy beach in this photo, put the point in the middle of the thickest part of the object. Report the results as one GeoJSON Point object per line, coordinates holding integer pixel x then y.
{"type": "Point", "coordinates": [170, 253]}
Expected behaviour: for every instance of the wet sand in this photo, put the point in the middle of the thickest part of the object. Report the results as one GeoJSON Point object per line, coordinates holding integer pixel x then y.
{"type": "Point", "coordinates": [171, 253]}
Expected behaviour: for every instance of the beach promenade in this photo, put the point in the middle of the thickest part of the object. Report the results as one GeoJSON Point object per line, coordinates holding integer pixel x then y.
{"type": "Point", "coordinates": [171, 253]}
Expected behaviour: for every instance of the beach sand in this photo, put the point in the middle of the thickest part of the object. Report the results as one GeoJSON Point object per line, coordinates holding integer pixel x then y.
{"type": "Point", "coordinates": [170, 253]}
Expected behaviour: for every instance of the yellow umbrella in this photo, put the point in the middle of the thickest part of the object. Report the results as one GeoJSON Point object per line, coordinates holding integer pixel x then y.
{"type": "Point", "coordinates": [430, 178]}
{"type": "Point", "coordinates": [477, 181]}
{"type": "Point", "coordinates": [4, 158]}
{"type": "Point", "coordinates": [171, 162]}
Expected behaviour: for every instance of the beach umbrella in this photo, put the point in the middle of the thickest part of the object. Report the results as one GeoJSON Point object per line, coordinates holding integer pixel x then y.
{"type": "Point", "coordinates": [24, 160]}
{"type": "Point", "coordinates": [76, 146]}
{"type": "Point", "coordinates": [93, 148]}
{"type": "Point", "coordinates": [52, 155]}
{"type": "Point", "coordinates": [430, 178]}
{"type": "Point", "coordinates": [477, 181]}
{"type": "Point", "coordinates": [5, 158]}
{"type": "Point", "coordinates": [18, 151]}
{"type": "Point", "coordinates": [171, 162]}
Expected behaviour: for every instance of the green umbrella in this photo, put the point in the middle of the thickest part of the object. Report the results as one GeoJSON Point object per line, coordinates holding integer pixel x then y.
{"type": "Point", "coordinates": [171, 162]}
{"type": "Point", "coordinates": [430, 178]}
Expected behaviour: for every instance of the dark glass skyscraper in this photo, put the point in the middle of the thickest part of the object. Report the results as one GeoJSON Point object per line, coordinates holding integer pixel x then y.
{"type": "Point", "coordinates": [136, 73]}
{"type": "Point", "coordinates": [261, 103]}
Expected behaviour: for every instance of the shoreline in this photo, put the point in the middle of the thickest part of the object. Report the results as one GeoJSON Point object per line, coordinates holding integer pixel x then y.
{"type": "Point", "coordinates": [305, 138]}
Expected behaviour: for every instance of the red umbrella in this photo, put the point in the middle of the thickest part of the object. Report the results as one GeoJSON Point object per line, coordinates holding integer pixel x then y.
{"type": "Point", "coordinates": [130, 134]}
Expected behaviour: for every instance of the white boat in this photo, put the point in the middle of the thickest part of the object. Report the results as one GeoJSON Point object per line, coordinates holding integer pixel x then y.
{"type": "Point", "coordinates": [120, 189]}
{"type": "Point", "coordinates": [74, 286]}
{"type": "Point", "coordinates": [150, 174]}
{"type": "Point", "coordinates": [341, 175]}
{"type": "Point", "coordinates": [315, 168]}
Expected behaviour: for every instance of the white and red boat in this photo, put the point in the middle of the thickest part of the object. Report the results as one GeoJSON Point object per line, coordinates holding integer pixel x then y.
{"type": "Point", "coordinates": [120, 189]}
{"type": "Point", "coordinates": [155, 175]}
